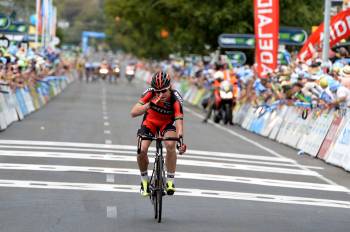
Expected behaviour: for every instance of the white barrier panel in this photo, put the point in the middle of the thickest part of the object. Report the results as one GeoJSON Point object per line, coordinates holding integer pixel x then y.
{"type": "Point", "coordinates": [238, 117]}
{"type": "Point", "coordinates": [28, 100]}
{"type": "Point", "coordinates": [289, 125]}
{"type": "Point", "coordinates": [19, 112]}
{"type": "Point", "coordinates": [312, 140]}
{"type": "Point", "coordinates": [3, 122]}
{"type": "Point", "coordinates": [249, 117]}
{"type": "Point", "coordinates": [340, 153]}
{"type": "Point", "coordinates": [270, 123]}
{"type": "Point", "coordinates": [277, 122]}
{"type": "Point", "coordinates": [10, 108]}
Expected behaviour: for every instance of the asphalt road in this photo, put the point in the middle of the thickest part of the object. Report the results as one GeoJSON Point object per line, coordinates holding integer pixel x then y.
{"type": "Point", "coordinates": [72, 167]}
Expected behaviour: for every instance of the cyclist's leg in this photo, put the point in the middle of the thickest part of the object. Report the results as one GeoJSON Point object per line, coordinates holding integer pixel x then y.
{"type": "Point", "coordinates": [146, 129]}
{"type": "Point", "coordinates": [142, 159]}
{"type": "Point", "coordinates": [170, 162]}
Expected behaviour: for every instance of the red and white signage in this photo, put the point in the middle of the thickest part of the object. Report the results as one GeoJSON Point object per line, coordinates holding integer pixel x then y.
{"type": "Point", "coordinates": [330, 138]}
{"type": "Point", "coordinates": [266, 22]}
{"type": "Point", "coordinates": [339, 29]}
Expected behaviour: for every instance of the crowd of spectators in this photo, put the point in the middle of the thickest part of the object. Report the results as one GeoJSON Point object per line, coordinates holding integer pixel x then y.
{"type": "Point", "coordinates": [21, 67]}
{"type": "Point", "coordinates": [307, 82]}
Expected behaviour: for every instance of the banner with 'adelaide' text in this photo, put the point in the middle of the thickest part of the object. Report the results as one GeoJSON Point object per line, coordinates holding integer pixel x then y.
{"type": "Point", "coordinates": [339, 29]}
{"type": "Point", "coordinates": [266, 26]}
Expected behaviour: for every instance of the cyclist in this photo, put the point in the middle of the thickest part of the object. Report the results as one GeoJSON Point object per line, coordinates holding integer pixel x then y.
{"type": "Point", "coordinates": [162, 110]}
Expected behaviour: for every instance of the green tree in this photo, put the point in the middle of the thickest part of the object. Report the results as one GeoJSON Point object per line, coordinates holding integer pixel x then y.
{"type": "Point", "coordinates": [192, 25]}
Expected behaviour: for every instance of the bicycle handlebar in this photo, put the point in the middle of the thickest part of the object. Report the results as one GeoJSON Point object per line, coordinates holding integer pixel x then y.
{"type": "Point", "coordinates": [151, 138]}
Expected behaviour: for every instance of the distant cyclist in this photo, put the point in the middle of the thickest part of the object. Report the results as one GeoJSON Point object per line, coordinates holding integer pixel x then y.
{"type": "Point", "coordinates": [162, 110]}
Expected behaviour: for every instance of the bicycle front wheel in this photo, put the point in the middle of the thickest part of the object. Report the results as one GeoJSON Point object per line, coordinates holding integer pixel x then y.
{"type": "Point", "coordinates": [159, 187]}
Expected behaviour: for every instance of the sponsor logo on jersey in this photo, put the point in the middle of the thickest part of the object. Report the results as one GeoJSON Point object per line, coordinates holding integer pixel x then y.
{"type": "Point", "coordinates": [178, 97]}
{"type": "Point", "coordinates": [161, 110]}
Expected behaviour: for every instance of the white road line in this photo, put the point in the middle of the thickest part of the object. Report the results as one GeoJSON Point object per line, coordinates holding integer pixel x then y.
{"type": "Point", "coordinates": [111, 156]}
{"type": "Point", "coordinates": [180, 175]}
{"type": "Point", "coordinates": [129, 147]}
{"type": "Point", "coordinates": [110, 178]}
{"type": "Point", "coordinates": [105, 117]}
{"type": "Point", "coordinates": [231, 166]}
{"type": "Point", "coordinates": [106, 123]}
{"type": "Point", "coordinates": [111, 212]}
{"type": "Point", "coordinates": [180, 192]}
{"type": "Point", "coordinates": [246, 161]}
{"type": "Point", "coordinates": [60, 154]}
{"type": "Point", "coordinates": [259, 145]}
{"type": "Point", "coordinates": [108, 141]}
{"type": "Point", "coordinates": [70, 149]}
{"type": "Point", "coordinates": [107, 132]}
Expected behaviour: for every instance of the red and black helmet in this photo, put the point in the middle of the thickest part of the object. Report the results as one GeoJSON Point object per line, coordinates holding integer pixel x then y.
{"type": "Point", "coordinates": [160, 80]}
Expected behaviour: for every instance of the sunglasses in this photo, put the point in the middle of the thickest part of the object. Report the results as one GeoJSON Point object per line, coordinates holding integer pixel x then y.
{"type": "Point", "coordinates": [162, 91]}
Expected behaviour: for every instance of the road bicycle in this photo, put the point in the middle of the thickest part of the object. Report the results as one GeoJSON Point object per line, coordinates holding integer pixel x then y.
{"type": "Point", "coordinates": [158, 178]}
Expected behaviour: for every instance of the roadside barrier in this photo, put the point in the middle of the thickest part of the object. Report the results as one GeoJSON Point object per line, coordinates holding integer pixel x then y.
{"type": "Point", "coordinates": [17, 104]}
{"type": "Point", "coordinates": [319, 133]}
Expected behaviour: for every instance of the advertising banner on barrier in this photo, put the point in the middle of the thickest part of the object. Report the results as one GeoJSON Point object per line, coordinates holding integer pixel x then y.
{"type": "Point", "coordinates": [270, 123]}
{"type": "Point", "coordinates": [330, 137]}
{"type": "Point", "coordinates": [21, 102]}
{"type": "Point", "coordinates": [289, 125]}
{"type": "Point", "coordinates": [28, 99]}
{"type": "Point", "coordinates": [339, 154]}
{"type": "Point", "coordinates": [277, 122]}
{"type": "Point", "coordinates": [339, 29]}
{"type": "Point", "coordinates": [266, 27]}
{"type": "Point", "coordinates": [297, 129]}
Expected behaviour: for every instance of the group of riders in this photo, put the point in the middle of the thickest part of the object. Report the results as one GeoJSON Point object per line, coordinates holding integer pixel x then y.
{"type": "Point", "coordinates": [104, 70]}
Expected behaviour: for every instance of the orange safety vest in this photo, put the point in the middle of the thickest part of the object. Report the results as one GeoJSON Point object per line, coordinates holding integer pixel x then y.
{"type": "Point", "coordinates": [230, 76]}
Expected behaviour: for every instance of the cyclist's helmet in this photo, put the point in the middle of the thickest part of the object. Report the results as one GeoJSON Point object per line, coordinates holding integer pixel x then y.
{"type": "Point", "coordinates": [160, 80]}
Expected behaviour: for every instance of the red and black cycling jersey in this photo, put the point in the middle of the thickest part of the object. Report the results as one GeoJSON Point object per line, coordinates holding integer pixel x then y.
{"type": "Point", "coordinates": [164, 112]}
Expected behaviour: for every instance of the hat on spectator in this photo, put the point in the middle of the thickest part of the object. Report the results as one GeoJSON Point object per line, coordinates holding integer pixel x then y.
{"type": "Point", "coordinates": [323, 82]}
{"type": "Point", "coordinates": [345, 72]}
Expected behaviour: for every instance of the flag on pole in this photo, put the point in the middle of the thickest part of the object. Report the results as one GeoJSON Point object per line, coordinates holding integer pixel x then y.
{"type": "Point", "coordinates": [38, 23]}
{"type": "Point", "coordinates": [266, 22]}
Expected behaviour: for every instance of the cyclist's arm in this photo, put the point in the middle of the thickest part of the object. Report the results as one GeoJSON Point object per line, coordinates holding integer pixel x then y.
{"type": "Point", "coordinates": [143, 105]}
{"type": "Point", "coordinates": [139, 109]}
{"type": "Point", "coordinates": [179, 127]}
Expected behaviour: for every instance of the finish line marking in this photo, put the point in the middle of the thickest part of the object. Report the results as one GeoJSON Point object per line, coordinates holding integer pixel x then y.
{"type": "Point", "coordinates": [82, 146]}
{"type": "Point", "coordinates": [185, 162]}
{"type": "Point", "coordinates": [111, 172]}
{"type": "Point", "coordinates": [180, 192]}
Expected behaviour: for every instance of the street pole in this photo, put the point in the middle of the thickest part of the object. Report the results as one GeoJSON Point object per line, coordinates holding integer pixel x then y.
{"type": "Point", "coordinates": [326, 32]}
{"type": "Point", "coordinates": [38, 5]}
